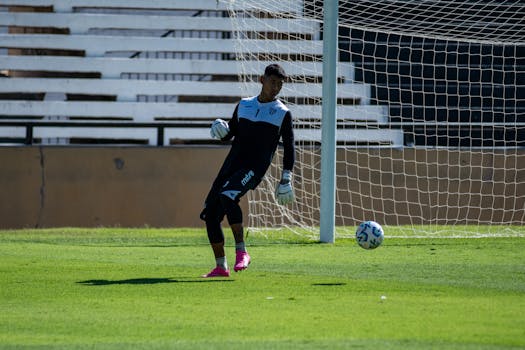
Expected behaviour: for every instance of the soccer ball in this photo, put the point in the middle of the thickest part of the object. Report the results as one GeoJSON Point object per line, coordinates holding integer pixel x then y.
{"type": "Point", "coordinates": [369, 235]}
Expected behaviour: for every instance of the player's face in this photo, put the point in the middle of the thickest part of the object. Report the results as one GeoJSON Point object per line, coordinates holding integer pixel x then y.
{"type": "Point", "coordinates": [271, 86]}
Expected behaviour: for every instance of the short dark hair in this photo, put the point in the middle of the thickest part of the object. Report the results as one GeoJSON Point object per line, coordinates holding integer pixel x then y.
{"type": "Point", "coordinates": [275, 69]}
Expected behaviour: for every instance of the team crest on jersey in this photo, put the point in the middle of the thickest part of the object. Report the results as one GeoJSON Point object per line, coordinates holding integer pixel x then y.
{"type": "Point", "coordinates": [272, 111]}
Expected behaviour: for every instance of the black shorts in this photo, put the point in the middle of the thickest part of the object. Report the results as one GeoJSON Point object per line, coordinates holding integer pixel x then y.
{"type": "Point", "coordinates": [239, 183]}
{"type": "Point", "coordinates": [234, 187]}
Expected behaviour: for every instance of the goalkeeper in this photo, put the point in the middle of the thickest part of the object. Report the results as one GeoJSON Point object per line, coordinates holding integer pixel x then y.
{"type": "Point", "coordinates": [257, 125]}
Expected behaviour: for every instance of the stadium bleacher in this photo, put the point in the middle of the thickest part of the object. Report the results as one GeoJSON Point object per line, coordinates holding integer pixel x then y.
{"type": "Point", "coordinates": [444, 92]}
{"type": "Point", "coordinates": [129, 67]}
{"type": "Point", "coordinates": [136, 63]}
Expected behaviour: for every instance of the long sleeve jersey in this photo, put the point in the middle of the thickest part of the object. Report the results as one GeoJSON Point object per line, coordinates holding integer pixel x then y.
{"type": "Point", "coordinates": [256, 129]}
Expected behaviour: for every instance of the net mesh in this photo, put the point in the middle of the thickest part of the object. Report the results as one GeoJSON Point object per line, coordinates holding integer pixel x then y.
{"type": "Point", "coordinates": [430, 112]}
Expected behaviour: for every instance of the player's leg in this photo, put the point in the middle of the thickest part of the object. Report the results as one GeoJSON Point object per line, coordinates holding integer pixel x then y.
{"type": "Point", "coordinates": [234, 214]}
{"type": "Point", "coordinates": [213, 215]}
{"type": "Point", "coordinates": [231, 193]}
{"type": "Point", "coordinates": [242, 258]}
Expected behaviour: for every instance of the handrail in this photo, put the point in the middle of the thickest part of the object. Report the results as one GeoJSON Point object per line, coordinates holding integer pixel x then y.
{"type": "Point", "coordinates": [160, 126]}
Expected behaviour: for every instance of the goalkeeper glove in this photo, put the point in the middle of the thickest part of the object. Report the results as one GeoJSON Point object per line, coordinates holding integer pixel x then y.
{"type": "Point", "coordinates": [284, 191]}
{"type": "Point", "coordinates": [219, 129]}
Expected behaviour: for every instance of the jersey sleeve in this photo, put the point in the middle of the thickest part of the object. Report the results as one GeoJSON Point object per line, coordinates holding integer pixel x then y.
{"type": "Point", "coordinates": [233, 125]}
{"type": "Point", "coordinates": [288, 142]}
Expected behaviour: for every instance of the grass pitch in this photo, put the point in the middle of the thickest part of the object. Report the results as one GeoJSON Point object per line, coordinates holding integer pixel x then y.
{"type": "Point", "coordinates": [140, 289]}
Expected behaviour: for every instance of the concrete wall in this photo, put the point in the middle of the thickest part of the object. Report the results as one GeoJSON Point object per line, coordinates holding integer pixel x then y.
{"type": "Point", "coordinates": [166, 187]}
{"type": "Point", "coordinates": [433, 186]}
{"type": "Point", "coordinates": [106, 186]}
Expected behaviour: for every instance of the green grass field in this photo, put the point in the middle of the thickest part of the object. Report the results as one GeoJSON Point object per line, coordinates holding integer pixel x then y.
{"type": "Point", "coordinates": [140, 289]}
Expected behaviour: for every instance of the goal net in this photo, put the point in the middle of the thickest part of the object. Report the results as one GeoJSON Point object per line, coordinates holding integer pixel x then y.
{"type": "Point", "coordinates": [430, 113]}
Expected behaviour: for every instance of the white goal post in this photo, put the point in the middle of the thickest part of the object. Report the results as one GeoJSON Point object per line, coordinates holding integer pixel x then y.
{"type": "Point", "coordinates": [450, 148]}
{"type": "Point", "coordinates": [329, 123]}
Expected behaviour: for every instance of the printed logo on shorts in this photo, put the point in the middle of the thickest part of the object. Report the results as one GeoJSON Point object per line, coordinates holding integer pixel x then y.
{"type": "Point", "coordinates": [231, 194]}
{"type": "Point", "coordinates": [247, 177]}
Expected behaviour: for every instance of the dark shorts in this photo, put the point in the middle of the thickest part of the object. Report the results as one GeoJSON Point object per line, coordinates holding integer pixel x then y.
{"type": "Point", "coordinates": [239, 183]}
{"type": "Point", "coordinates": [233, 187]}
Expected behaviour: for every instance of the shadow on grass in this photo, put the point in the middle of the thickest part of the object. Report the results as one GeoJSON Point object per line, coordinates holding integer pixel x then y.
{"type": "Point", "coordinates": [329, 284]}
{"type": "Point", "coordinates": [151, 281]}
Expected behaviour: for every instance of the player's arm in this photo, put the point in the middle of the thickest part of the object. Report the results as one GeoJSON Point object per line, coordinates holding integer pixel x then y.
{"type": "Point", "coordinates": [287, 136]}
{"type": "Point", "coordinates": [284, 191]}
{"type": "Point", "coordinates": [233, 124]}
{"type": "Point", "coordinates": [222, 130]}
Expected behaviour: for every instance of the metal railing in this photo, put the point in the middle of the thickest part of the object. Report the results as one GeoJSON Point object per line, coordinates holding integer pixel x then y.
{"type": "Point", "coordinates": [159, 126]}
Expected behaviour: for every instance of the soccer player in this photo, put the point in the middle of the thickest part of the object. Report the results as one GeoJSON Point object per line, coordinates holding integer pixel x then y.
{"type": "Point", "coordinates": [257, 125]}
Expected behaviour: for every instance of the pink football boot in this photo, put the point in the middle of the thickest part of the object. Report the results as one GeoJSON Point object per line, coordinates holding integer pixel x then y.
{"type": "Point", "coordinates": [217, 272]}
{"type": "Point", "coordinates": [242, 260]}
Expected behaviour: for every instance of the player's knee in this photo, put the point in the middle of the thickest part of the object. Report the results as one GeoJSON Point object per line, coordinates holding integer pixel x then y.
{"type": "Point", "coordinates": [232, 209]}
{"type": "Point", "coordinates": [213, 225]}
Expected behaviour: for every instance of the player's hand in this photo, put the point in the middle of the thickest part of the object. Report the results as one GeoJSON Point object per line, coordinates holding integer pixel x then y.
{"type": "Point", "coordinates": [284, 192]}
{"type": "Point", "coordinates": [219, 129]}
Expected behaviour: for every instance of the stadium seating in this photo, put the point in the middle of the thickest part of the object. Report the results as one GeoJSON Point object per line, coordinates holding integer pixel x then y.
{"type": "Point", "coordinates": [462, 94]}
{"type": "Point", "coordinates": [142, 64]}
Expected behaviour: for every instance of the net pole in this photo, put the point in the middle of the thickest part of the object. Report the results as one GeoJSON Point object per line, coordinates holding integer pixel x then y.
{"type": "Point", "coordinates": [328, 131]}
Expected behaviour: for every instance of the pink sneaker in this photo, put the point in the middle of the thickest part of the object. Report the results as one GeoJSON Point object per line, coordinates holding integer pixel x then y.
{"type": "Point", "coordinates": [242, 260]}
{"type": "Point", "coordinates": [217, 272]}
